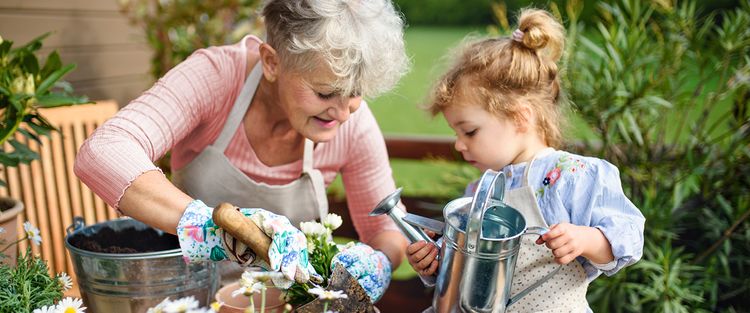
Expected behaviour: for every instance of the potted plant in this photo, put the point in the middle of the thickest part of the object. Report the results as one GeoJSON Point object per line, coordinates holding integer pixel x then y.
{"type": "Point", "coordinates": [25, 86]}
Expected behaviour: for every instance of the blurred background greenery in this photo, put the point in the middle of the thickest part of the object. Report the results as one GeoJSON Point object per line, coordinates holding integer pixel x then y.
{"type": "Point", "coordinates": [659, 88]}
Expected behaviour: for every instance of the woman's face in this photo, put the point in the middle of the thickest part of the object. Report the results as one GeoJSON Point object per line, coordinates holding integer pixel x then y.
{"type": "Point", "coordinates": [485, 140]}
{"type": "Point", "coordinates": [314, 107]}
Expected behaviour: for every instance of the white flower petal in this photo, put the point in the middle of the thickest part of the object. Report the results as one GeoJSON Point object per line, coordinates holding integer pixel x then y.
{"type": "Point", "coordinates": [181, 305]}
{"type": "Point", "coordinates": [65, 280]}
{"type": "Point", "coordinates": [332, 221]}
{"type": "Point", "coordinates": [70, 304]}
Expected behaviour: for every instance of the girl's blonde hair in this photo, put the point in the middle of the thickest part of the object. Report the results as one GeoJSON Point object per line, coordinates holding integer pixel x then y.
{"type": "Point", "coordinates": [505, 73]}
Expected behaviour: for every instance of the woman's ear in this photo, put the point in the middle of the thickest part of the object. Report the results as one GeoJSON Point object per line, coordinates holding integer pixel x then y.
{"type": "Point", "coordinates": [270, 62]}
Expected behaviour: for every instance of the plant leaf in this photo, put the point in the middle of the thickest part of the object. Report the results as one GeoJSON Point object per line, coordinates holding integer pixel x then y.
{"type": "Point", "coordinates": [52, 64]}
{"type": "Point", "coordinates": [29, 135]}
{"type": "Point", "coordinates": [56, 99]}
{"type": "Point", "coordinates": [52, 78]}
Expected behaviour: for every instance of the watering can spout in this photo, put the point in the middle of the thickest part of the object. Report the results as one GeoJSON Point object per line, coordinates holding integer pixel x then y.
{"type": "Point", "coordinates": [389, 206]}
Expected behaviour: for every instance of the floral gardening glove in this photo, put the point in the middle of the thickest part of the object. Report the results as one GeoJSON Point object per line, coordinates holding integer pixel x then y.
{"type": "Point", "coordinates": [370, 267]}
{"type": "Point", "coordinates": [201, 240]}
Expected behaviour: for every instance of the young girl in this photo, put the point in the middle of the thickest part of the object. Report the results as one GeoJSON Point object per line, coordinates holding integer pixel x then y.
{"type": "Point", "coordinates": [502, 98]}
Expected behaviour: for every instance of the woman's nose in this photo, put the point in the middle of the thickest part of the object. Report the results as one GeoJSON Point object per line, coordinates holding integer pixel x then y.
{"type": "Point", "coordinates": [345, 107]}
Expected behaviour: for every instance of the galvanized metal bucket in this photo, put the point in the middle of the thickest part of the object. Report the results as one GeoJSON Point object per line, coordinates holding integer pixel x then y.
{"type": "Point", "coordinates": [135, 282]}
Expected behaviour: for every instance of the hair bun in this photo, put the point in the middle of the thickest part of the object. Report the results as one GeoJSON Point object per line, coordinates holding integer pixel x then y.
{"type": "Point", "coordinates": [541, 31]}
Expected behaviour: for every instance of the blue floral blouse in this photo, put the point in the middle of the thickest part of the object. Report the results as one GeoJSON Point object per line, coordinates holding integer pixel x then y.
{"type": "Point", "coordinates": [584, 191]}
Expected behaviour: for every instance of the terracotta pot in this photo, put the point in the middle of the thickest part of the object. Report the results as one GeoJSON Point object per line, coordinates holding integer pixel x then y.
{"type": "Point", "coordinates": [274, 302]}
{"type": "Point", "coordinates": [9, 211]}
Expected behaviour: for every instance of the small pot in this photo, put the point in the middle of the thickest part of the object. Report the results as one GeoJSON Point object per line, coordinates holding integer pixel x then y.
{"type": "Point", "coordinates": [274, 301]}
{"type": "Point", "coordinates": [9, 211]}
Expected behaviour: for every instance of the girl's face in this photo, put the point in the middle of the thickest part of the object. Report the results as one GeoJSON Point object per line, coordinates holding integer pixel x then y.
{"type": "Point", "coordinates": [313, 106]}
{"type": "Point", "coordinates": [485, 140]}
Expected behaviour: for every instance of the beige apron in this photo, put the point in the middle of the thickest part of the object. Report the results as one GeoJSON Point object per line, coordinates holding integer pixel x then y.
{"type": "Point", "coordinates": [563, 292]}
{"type": "Point", "coordinates": [212, 178]}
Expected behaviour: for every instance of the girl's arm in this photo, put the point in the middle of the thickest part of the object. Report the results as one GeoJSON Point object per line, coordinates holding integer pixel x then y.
{"type": "Point", "coordinates": [595, 218]}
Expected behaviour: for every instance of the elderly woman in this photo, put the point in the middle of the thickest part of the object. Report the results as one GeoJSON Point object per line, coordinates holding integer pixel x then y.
{"type": "Point", "coordinates": [264, 125]}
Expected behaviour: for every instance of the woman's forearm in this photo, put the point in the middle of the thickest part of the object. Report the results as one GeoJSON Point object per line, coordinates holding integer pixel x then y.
{"type": "Point", "coordinates": [154, 200]}
{"type": "Point", "coordinates": [393, 244]}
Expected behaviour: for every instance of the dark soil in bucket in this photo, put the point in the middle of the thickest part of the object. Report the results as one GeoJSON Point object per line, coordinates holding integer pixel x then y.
{"type": "Point", "coordinates": [124, 241]}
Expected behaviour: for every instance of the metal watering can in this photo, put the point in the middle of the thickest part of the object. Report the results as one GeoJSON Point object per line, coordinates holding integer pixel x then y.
{"type": "Point", "coordinates": [481, 239]}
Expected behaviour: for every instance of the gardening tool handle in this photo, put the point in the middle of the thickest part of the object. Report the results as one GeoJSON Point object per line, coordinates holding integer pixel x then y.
{"type": "Point", "coordinates": [242, 228]}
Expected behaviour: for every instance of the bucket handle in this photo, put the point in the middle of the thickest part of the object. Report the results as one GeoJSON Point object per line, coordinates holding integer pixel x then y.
{"type": "Point", "coordinates": [78, 223]}
{"type": "Point", "coordinates": [491, 187]}
{"type": "Point", "coordinates": [533, 230]}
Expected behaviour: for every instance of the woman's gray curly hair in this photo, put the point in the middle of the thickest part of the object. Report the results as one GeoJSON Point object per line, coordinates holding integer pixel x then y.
{"type": "Point", "coordinates": [360, 40]}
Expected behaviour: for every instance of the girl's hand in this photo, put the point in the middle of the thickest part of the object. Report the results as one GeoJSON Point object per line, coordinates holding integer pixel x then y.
{"type": "Point", "coordinates": [422, 257]}
{"type": "Point", "coordinates": [567, 241]}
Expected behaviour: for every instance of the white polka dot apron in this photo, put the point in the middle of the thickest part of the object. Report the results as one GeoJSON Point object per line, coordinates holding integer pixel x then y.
{"type": "Point", "coordinates": [564, 291]}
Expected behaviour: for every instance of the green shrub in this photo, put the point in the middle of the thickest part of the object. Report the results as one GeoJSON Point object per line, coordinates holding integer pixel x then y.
{"type": "Point", "coordinates": [176, 28]}
{"type": "Point", "coordinates": [25, 86]}
{"type": "Point", "coordinates": [446, 12]}
{"type": "Point", "coordinates": [666, 91]}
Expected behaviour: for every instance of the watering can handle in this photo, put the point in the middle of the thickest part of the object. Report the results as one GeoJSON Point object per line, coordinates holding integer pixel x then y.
{"type": "Point", "coordinates": [534, 230]}
{"type": "Point", "coordinates": [232, 221]}
{"type": "Point", "coordinates": [491, 187]}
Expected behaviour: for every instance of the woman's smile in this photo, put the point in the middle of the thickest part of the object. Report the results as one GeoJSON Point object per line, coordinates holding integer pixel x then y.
{"type": "Point", "coordinates": [325, 123]}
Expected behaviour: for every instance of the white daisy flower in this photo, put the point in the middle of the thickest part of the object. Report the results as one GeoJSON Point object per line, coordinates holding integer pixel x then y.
{"type": "Point", "coordinates": [248, 291]}
{"type": "Point", "coordinates": [45, 309]}
{"type": "Point", "coordinates": [327, 295]}
{"type": "Point", "coordinates": [159, 308]}
{"type": "Point", "coordinates": [332, 221]}
{"type": "Point", "coordinates": [70, 305]}
{"type": "Point", "coordinates": [216, 306]}
{"type": "Point", "coordinates": [32, 233]}
{"type": "Point", "coordinates": [181, 305]}
{"type": "Point", "coordinates": [310, 246]}
{"type": "Point", "coordinates": [313, 228]}
{"type": "Point", "coordinates": [65, 280]}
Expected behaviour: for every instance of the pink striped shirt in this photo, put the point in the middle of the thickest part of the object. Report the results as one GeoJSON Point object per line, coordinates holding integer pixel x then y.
{"type": "Point", "coordinates": [185, 112]}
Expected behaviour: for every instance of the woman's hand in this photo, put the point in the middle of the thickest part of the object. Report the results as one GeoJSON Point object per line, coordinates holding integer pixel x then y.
{"type": "Point", "coordinates": [422, 257]}
{"type": "Point", "coordinates": [201, 240]}
{"type": "Point", "coordinates": [370, 267]}
{"type": "Point", "coordinates": [568, 241]}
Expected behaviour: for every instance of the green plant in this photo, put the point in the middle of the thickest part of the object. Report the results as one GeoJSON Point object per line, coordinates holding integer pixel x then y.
{"type": "Point", "coordinates": [664, 88]}
{"type": "Point", "coordinates": [321, 250]}
{"type": "Point", "coordinates": [27, 286]}
{"type": "Point", "coordinates": [25, 86]}
{"type": "Point", "coordinates": [176, 28]}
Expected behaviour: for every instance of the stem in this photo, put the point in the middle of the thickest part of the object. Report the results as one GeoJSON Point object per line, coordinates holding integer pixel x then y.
{"type": "Point", "coordinates": [263, 300]}
{"type": "Point", "coordinates": [252, 304]}
{"type": "Point", "coordinates": [325, 306]}
{"type": "Point", "coordinates": [13, 243]}
{"type": "Point", "coordinates": [726, 235]}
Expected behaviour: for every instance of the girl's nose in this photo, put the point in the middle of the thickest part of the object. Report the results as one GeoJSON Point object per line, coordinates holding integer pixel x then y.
{"type": "Point", "coordinates": [459, 145]}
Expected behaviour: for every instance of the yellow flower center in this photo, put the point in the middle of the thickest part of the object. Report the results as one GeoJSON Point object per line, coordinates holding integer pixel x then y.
{"type": "Point", "coordinates": [70, 310]}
